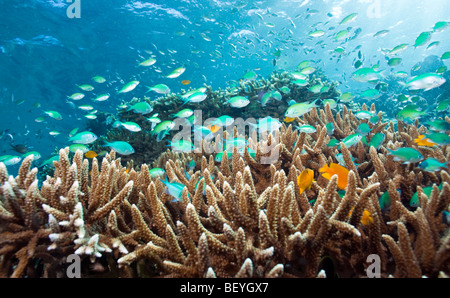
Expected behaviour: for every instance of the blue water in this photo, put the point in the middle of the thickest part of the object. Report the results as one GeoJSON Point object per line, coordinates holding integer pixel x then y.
{"type": "Point", "coordinates": [44, 54]}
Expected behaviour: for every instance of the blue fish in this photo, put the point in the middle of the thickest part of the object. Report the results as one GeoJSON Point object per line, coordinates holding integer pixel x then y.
{"type": "Point", "coordinates": [175, 189]}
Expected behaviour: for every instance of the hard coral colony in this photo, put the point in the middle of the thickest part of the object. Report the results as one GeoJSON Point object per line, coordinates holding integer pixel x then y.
{"type": "Point", "coordinates": [236, 217]}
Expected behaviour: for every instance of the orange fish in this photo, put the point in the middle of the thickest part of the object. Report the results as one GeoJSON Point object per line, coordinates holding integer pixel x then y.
{"type": "Point", "coordinates": [185, 82]}
{"type": "Point", "coordinates": [214, 128]}
{"type": "Point", "coordinates": [422, 141]}
{"type": "Point", "coordinates": [335, 169]}
{"type": "Point", "coordinates": [305, 180]}
{"type": "Point", "coordinates": [366, 218]}
{"type": "Point", "coordinates": [90, 154]}
{"type": "Point", "coordinates": [288, 120]}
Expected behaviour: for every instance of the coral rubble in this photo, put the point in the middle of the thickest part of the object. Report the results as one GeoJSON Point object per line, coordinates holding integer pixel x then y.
{"type": "Point", "coordinates": [238, 217]}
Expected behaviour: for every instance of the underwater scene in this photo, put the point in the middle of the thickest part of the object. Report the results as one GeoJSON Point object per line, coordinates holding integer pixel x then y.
{"type": "Point", "coordinates": [229, 139]}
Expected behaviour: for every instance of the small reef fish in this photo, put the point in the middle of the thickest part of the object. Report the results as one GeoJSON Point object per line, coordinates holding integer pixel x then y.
{"type": "Point", "coordinates": [366, 218]}
{"type": "Point", "coordinates": [439, 138]}
{"type": "Point", "coordinates": [377, 140]}
{"type": "Point", "coordinates": [148, 62]}
{"type": "Point", "coordinates": [129, 87]}
{"type": "Point", "coordinates": [141, 108]}
{"type": "Point", "coordinates": [406, 154]}
{"type": "Point", "coordinates": [10, 160]}
{"type": "Point", "coordinates": [54, 114]}
{"type": "Point", "coordinates": [238, 101]}
{"type": "Point", "coordinates": [156, 172]}
{"type": "Point", "coordinates": [120, 147]}
{"type": "Point", "coordinates": [182, 146]}
{"type": "Point", "coordinates": [185, 82]}
{"type": "Point", "coordinates": [306, 128]}
{"type": "Point", "coordinates": [176, 73]}
{"type": "Point", "coordinates": [74, 147]}
{"type": "Point", "coordinates": [86, 87]}
{"type": "Point", "coordinates": [159, 88]}
{"type": "Point", "coordinates": [185, 113]}
{"type": "Point", "coordinates": [84, 137]}
{"type": "Point", "coordinates": [299, 109]}
{"type": "Point", "coordinates": [426, 81]}
{"type": "Point", "coordinates": [175, 189]}
{"type": "Point", "coordinates": [423, 141]}
{"type": "Point", "coordinates": [99, 79]}
{"type": "Point", "coordinates": [336, 169]}
{"type": "Point", "coordinates": [90, 154]}
{"type": "Point", "coordinates": [77, 96]}
{"type": "Point", "coordinates": [305, 180]}
{"type": "Point", "coordinates": [367, 74]}
{"type": "Point", "coordinates": [432, 165]}
{"type": "Point", "coordinates": [414, 202]}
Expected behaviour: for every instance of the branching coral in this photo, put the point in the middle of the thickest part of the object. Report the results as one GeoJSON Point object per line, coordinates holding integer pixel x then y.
{"type": "Point", "coordinates": [238, 217]}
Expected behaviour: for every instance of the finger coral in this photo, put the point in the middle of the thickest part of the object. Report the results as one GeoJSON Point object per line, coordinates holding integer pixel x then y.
{"type": "Point", "coordinates": [239, 217]}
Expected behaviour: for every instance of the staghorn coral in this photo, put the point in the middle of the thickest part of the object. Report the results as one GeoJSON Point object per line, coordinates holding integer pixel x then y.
{"type": "Point", "coordinates": [236, 218]}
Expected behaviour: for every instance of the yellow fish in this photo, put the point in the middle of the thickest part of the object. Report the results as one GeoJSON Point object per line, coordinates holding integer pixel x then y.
{"type": "Point", "coordinates": [214, 128]}
{"type": "Point", "coordinates": [336, 169]}
{"type": "Point", "coordinates": [305, 180]}
{"type": "Point", "coordinates": [185, 82]}
{"type": "Point", "coordinates": [422, 141]}
{"type": "Point", "coordinates": [288, 120]}
{"type": "Point", "coordinates": [90, 154]}
{"type": "Point", "coordinates": [366, 218]}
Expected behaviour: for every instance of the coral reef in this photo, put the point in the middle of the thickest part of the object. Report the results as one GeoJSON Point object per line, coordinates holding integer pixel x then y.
{"type": "Point", "coordinates": [238, 217]}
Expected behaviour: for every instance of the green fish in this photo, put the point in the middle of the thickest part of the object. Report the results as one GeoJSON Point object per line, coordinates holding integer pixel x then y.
{"type": "Point", "coordinates": [129, 87]}
{"type": "Point", "coordinates": [343, 34]}
{"type": "Point", "coordinates": [348, 18]}
{"type": "Point", "coordinates": [300, 82]}
{"type": "Point", "coordinates": [249, 76]}
{"type": "Point", "coordinates": [426, 81]}
{"type": "Point", "coordinates": [439, 125]}
{"type": "Point", "coordinates": [182, 146]}
{"type": "Point", "coordinates": [332, 143]}
{"type": "Point", "coordinates": [102, 97]}
{"type": "Point", "coordinates": [316, 33]}
{"type": "Point", "coordinates": [366, 74]}
{"type": "Point", "coordinates": [315, 89]}
{"type": "Point", "coordinates": [86, 87]}
{"type": "Point", "coordinates": [299, 109]}
{"type": "Point", "coordinates": [445, 56]}
{"type": "Point", "coordinates": [394, 61]}
{"type": "Point", "coordinates": [370, 94]}
{"type": "Point", "coordinates": [306, 128]}
{"type": "Point", "coordinates": [330, 128]}
{"type": "Point", "coordinates": [308, 70]}
{"type": "Point", "coordinates": [185, 113]}
{"type": "Point", "coordinates": [76, 96]}
{"type": "Point", "coordinates": [440, 26]}
{"type": "Point", "coordinates": [363, 115]}
{"type": "Point", "coordinates": [141, 108]}
{"type": "Point", "coordinates": [384, 201]}
{"type": "Point", "coordinates": [131, 126]}
{"type": "Point", "coordinates": [238, 101]}
{"type": "Point", "coordinates": [156, 172]}
{"type": "Point", "coordinates": [414, 202]}
{"type": "Point", "coordinates": [84, 137]}
{"type": "Point", "coordinates": [99, 79]}
{"type": "Point", "coordinates": [381, 33]}
{"type": "Point", "coordinates": [163, 126]}
{"type": "Point", "coordinates": [74, 147]}
{"type": "Point", "coordinates": [398, 49]}
{"type": "Point", "coordinates": [120, 147]}
{"type": "Point", "coordinates": [422, 39]}
{"type": "Point", "coordinates": [197, 96]}
{"type": "Point", "coordinates": [439, 138]}
{"type": "Point", "coordinates": [175, 189]}
{"type": "Point", "coordinates": [148, 62]}
{"type": "Point", "coordinates": [218, 156]}
{"type": "Point", "coordinates": [352, 140]}
{"type": "Point", "coordinates": [443, 105]}
{"type": "Point", "coordinates": [377, 140]}
{"type": "Point", "coordinates": [159, 88]}
{"type": "Point", "coordinates": [410, 113]}
{"type": "Point", "coordinates": [364, 129]}
{"type": "Point", "coordinates": [346, 97]}
{"type": "Point", "coordinates": [406, 154]}
{"type": "Point", "coordinates": [432, 165]}
{"type": "Point", "coordinates": [54, 114]}
{"type": "Point", "coordinates": [176, 73]}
